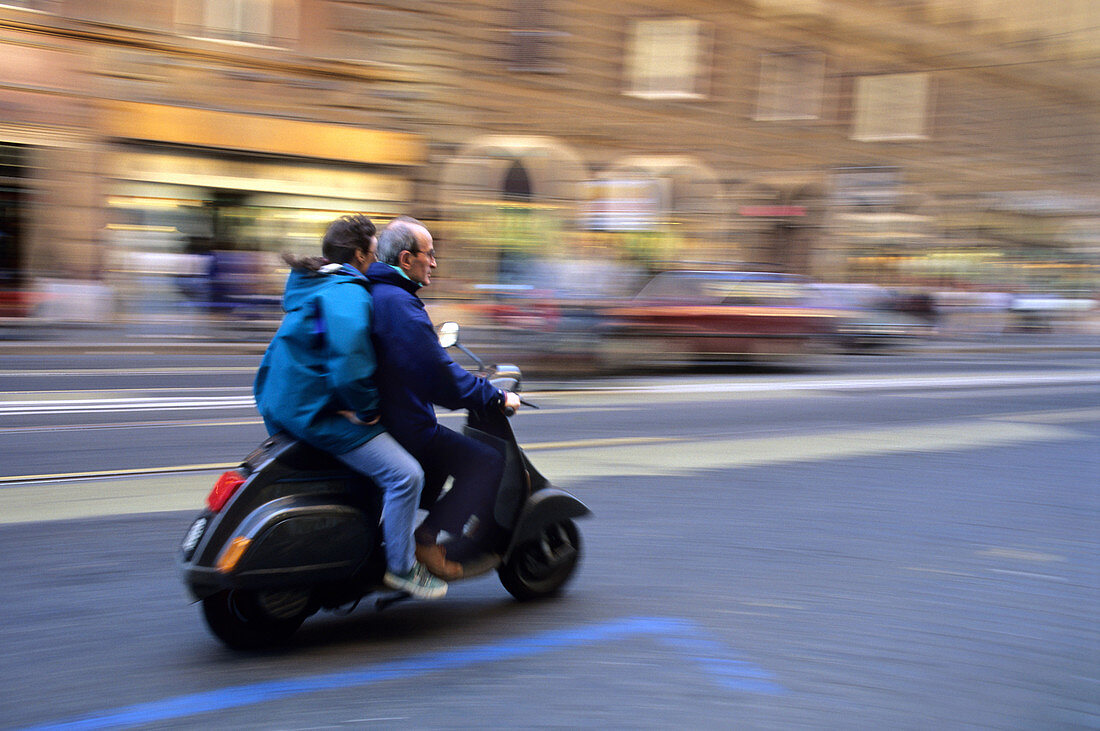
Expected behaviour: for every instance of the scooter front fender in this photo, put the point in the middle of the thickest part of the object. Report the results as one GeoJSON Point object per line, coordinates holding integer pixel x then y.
{"type": "Point", "coordinates": [543, 509]}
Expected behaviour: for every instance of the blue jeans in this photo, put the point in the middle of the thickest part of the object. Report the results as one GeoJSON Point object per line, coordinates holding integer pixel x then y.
{"type": "Point", "coordinates": [401, 480]}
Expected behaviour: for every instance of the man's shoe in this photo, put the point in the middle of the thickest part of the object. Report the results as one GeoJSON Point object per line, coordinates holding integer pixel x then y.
{"type": "Point", "coordinates": [418, 582]}
{"type": "Point", "coordinates": [434, 557]}
{"type": "Point", "coordinates": [474, 558]}
{"type": "Point", "coordinates": [480, 564]}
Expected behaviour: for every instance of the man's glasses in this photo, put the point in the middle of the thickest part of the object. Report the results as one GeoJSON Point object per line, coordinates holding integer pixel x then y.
{"type": "Point", "coordinates": [429, 252]}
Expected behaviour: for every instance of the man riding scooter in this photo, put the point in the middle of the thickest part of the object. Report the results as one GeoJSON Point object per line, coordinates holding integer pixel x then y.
{"type": "Point", "coordinates": [316, 382]}
{"type": "Point", "coordinates": [414, 373]}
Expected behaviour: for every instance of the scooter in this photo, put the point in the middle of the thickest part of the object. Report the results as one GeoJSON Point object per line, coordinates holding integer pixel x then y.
{"type": "Point", "coordinates": [292, 531]}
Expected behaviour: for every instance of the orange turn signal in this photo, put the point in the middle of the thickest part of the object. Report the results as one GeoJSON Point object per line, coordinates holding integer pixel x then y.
{"type": "Point", "coordinates": [231, 555]}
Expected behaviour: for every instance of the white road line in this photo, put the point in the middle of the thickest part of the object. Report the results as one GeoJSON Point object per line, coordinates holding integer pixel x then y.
{"type": "Point", "coordinates": [73, 406]}
{"type": "Point", "coordinates": [83, 406]}
{"type": "Point", "coordinates": [176, 370]}
{"type": "Point", "coordinates": [989, 380]}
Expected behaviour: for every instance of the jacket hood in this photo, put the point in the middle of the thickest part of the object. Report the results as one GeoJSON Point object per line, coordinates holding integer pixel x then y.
{"type": "Point", "coordinates": [303, 285]}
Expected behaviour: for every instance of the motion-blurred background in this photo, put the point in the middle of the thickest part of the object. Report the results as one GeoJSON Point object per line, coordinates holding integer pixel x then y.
{"type": "Point", "coordinates": [861, 171]}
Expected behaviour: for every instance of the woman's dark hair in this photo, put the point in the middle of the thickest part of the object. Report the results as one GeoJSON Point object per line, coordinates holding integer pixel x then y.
{"type": "Point", "coordinates": [345, 236]}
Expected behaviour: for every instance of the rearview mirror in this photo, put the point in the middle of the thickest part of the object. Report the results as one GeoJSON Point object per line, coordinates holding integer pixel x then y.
{"type": "Point", "coordinates": [448, 334]}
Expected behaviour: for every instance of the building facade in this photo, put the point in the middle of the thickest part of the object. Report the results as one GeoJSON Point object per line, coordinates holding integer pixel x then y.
{"type": "Point", "coordinates": [905, 141]}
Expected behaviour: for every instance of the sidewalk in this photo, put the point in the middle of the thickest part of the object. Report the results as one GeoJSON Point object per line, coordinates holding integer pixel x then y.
{"type": "Point", "coordinates": [189, 334]}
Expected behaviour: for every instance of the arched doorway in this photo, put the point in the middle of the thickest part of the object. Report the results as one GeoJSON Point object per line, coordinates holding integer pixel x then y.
{"type": "Point", "coordinates": [507, 201]}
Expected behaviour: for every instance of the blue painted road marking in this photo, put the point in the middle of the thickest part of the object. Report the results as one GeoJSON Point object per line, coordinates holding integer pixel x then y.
{"type": "Point", "coordinates": [709, 656]}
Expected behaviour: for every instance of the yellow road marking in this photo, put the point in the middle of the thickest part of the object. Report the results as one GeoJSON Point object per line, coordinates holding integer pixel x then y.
{"type": "Point", "coordinates": [99, 474]}
{"type": "Point", "coordinates": [183, 487]}
{"type": "Point", "coordinates": [608, 442]}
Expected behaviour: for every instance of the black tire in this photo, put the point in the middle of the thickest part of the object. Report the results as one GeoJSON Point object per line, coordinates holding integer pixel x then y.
{"type": "Point", "coordinates": [541, 567]}
{"type": "Point", "coordinates": [248, 620]}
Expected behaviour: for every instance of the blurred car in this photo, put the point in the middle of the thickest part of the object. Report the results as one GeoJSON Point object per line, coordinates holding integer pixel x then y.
{"type": "Point", "coordinates": [16, 300]}
{"type": "Point", "coordinates": [871, 316]}
{"type": "Point", "coordinates": [723, 315]}
{"type": "Point", "coordinates": [549, 312]}
{"type": "Point", "coordinates": [1045, 311]}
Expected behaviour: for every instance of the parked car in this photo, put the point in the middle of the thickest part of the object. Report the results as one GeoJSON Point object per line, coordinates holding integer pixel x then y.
{"type": "Point", "coordinates": [722, 315]}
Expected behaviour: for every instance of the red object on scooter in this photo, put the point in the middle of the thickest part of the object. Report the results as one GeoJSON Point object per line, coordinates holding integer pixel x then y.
{"type": "Point", "coordinates": [224, 488]}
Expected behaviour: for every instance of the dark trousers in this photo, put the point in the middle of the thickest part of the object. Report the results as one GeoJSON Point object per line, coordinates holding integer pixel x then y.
{"type": "Point", "coordinates": [476, 468]}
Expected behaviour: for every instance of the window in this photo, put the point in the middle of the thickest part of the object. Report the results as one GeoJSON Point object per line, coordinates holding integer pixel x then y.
{"type": "Point", "coordinates": [891, 107]}
{"type": "Point", "coordinates": [250, 21]}
{"type": "Point", "coordinates": [665, 59]}
{"type": "Point", "coordinates": [238, 20]}
{"type": "Point", "coordinates": [28, 4]}
{"type": "Point", "coordinates": [532, 39]}
{"type": "Point", "coordinates": [789, 8]}
{"type": "Point", "coordinates": [790, 86]}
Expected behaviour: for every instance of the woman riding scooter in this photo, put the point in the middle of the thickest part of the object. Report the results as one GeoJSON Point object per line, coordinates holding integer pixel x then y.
{"type": "Point", "coordinates": [316, 382]}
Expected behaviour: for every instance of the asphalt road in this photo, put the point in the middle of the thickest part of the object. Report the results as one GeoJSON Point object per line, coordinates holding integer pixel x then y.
{"type": "Point", "coordinates": [895, 542]}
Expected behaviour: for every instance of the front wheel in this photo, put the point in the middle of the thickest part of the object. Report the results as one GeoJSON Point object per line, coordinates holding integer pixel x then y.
{"type": "Point", "coordinates": [250, 620]}
{"type": "Point", "coordinates": [542, 566]}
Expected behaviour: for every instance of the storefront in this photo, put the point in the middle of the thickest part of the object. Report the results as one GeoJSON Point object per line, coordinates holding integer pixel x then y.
{"type": "Point", "coordinates": [201, 204]}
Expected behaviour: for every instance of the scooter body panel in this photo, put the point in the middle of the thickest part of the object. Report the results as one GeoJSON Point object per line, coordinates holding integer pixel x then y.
{"type": "Point", "coordinates": [308, 520]}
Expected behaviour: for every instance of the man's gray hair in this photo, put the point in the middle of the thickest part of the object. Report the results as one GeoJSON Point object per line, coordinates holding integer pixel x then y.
{"type": "Point", "coordinates": [397, 236]}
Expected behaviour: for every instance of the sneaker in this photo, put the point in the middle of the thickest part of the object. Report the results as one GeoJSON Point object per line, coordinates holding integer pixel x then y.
{"type": "Point", "coordinates": [434, 557]}
{"type": "Point", "coordinates": [418, 582]}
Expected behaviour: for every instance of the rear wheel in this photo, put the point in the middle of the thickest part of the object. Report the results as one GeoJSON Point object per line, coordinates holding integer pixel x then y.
{"type": "Point", "coordinates": [251, 620]}
{"type": "Point", "coordinates": [541, 567]}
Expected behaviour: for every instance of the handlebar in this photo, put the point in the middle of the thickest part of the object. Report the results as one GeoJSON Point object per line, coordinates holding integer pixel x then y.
{"type": "Point", "coordinates": [509, 411]}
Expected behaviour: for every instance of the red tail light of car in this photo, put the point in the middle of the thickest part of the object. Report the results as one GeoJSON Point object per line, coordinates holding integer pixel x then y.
{"type": "Point", "coordinates": [224, 488]}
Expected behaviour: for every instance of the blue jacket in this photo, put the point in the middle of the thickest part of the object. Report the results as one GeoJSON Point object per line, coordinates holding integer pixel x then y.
{"type": "Point", "coordinates": [414, 371]}
{"type": "Point", "coordinates": [321, 361]}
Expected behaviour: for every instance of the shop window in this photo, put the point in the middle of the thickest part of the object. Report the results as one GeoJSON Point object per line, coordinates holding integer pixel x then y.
{"type": "Point", "coordinates": [12, 210]}
{"type": "Point", "coordinates": [666, 59]}
{"type": "Point", "coordinates": [532, 39]}
{"type": "Point", "coordinates": [891, 107]}
{"type": "Point", "coordinates": [790, 86]}
{"type": "Point", "coordinates": [11, 161]}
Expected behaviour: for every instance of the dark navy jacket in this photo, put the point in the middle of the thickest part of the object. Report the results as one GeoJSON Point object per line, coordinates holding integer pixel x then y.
{"type": "Point", "coordinates": [414, 371]}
